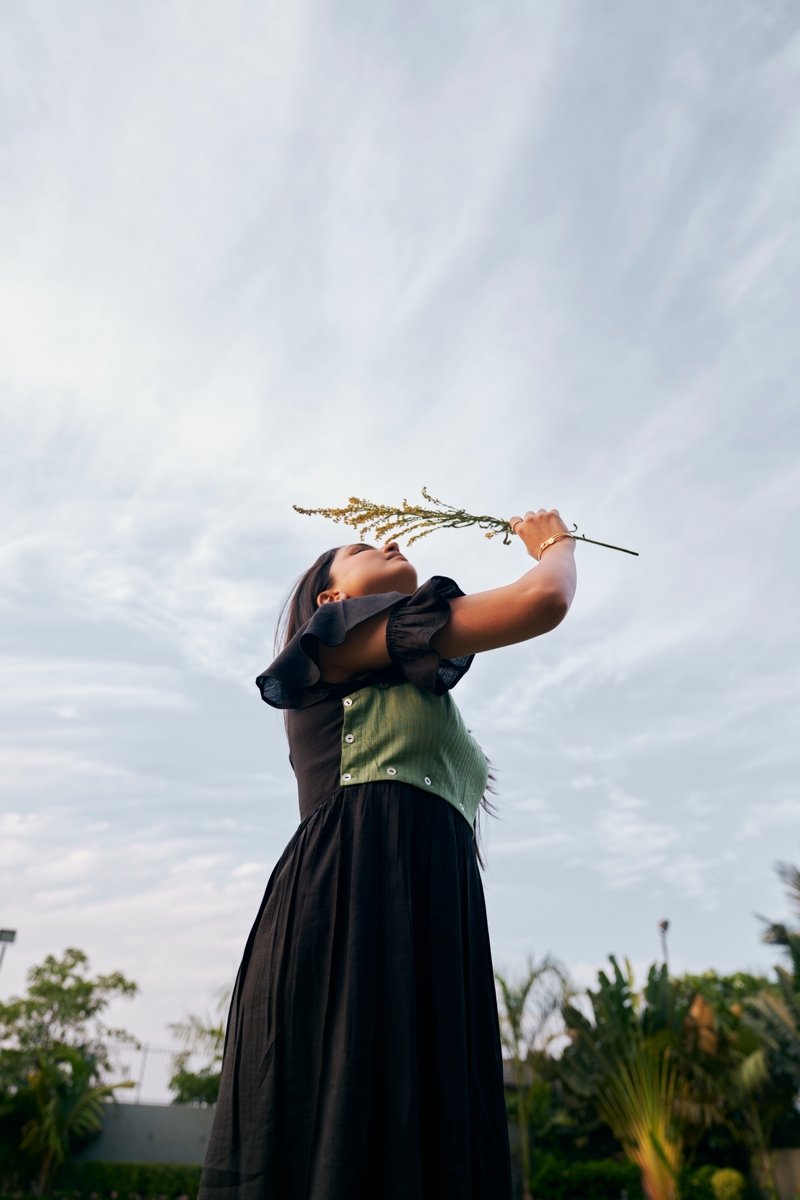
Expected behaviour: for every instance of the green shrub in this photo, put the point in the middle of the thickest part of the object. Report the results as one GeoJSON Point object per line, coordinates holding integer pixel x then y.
{"type": "Point", "coordinates": [696, 1185]}
{"type": "Point", "coordinates": [603, 1180]}
{"type": "Point", "coordinates": [146, 1181]}
{"type": "Point", "coordinates": [728, 1184]}
{"type": "Point", "coordinates": [713, 1183]}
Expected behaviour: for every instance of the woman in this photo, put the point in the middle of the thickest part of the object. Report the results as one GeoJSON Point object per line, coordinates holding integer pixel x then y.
{"type": "Point", "coordinates": [362, 1057]}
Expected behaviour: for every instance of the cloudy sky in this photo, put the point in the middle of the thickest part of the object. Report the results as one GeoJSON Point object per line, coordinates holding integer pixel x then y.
{"type": "Point", "coordinates": [526, 254]}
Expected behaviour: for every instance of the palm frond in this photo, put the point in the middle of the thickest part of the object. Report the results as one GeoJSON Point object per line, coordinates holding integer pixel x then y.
{"type": "Point", "coordinates": [753, 1073]}
{"type": "Point", "coordinates": [790, 877]}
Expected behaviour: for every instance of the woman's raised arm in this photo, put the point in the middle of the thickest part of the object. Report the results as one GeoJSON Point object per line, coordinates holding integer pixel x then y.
{"type": "Point", "coordinates": [516, 612]}
{"type": "Point", "coordinates": [532, 605]}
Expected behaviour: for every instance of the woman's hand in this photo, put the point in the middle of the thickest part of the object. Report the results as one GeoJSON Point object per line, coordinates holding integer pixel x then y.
{"type": "Point", "coordinates": [536, 527]}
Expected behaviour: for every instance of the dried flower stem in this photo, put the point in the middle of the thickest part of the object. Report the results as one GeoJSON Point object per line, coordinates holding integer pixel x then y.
{"type": "Point", "coordinates": [415, 521]}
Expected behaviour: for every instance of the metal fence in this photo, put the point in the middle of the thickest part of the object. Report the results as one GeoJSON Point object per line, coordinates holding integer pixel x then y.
{"type": "Point", "coordinates": [149, 1068]}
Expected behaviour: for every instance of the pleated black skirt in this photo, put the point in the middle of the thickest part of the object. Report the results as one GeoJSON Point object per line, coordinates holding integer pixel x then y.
{"type": "Point", "coordinates": [362, 1057]}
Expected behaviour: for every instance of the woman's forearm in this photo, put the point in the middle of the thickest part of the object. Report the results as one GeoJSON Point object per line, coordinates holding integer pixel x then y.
{"type": "Point", "coordinates": [530, 606]}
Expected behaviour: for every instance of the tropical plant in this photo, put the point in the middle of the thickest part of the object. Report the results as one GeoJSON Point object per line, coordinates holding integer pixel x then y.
{"type": "Point", "coordinates": [725, 1121]}
{"type": "Point", "coordinates": [770, 1073]}
{"type": "Point", "coordinates": [775, 1015]}
{"type": "Point", "coordinates": [203, 1036]}
{"type": "Point", "coordinates": [697, 1022]}
{"type": "Point", "coordinates": [54, 1052]}
{"type": "Point", "coordinates": [69, 1107]}
{"type": "Point", "coordinates": [638, 1103]}
{"type": "Point", "coordinates": [529, 1010]}
{"type": "Point", "coordinates": [621, 1061]}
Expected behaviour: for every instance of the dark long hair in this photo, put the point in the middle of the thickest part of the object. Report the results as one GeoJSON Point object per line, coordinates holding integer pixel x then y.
{"type": "Point", "coordinates": [301, 603]}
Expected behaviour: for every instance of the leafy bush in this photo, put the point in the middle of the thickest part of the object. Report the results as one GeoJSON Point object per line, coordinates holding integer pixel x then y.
{"type": "Point", "coordinates": [607, 1179]}
{"type": "Point", "coordinates": [146, 1181]}
{"type": "Point", "coordinates": [697, 1185]}
{"type": "Point", "coordinates": [195, 1087]}
{"type": "Point", "coordinates": [714, 1183]}
{"type": "Point", "coordinates": [603, 1180]}
{"type": "Point", "coordinates": [728, 1184]}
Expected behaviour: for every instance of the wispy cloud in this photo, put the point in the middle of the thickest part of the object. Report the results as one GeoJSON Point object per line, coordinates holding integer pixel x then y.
{"type": "Point", "coordinates": [532, 256]}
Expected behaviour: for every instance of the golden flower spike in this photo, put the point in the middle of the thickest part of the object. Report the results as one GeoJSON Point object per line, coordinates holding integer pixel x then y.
{"type": "Point", "coordinates": [415, 521]}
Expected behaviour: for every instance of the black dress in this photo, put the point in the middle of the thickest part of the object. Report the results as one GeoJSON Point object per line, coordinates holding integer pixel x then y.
{"type": "Point", "coordinates": [362, 1056]}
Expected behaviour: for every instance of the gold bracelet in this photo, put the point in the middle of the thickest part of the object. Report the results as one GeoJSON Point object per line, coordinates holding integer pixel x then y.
{"type": "Point", "coordinates": [552, 540]}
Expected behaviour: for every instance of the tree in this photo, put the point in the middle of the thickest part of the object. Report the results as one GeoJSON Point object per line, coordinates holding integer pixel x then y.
{"type": "Point", "coordinates": [62, 1008]}
{"type": "Point", "coordinates": [527, 1012]}
{"type": "Point", "coordinates": [199, 1036]}
{"type": "Point", "coordinates": [773, 1016]}
{"type": "Point", "coordinates": [726, 1105]}
{"type": "Point", "coordinates": [69, 1107]}
{"type": "Point", "coordinates": [54, 1050]}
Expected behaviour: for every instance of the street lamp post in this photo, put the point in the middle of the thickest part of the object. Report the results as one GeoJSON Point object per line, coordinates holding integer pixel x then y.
{"type": "Point", "coordinates": [6, 936]}
{"type": "Point", "coordinates": [663, 926]}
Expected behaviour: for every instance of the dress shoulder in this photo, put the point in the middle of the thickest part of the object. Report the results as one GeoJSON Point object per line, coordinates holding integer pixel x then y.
{"type": "Point", "coordinates": [411, 627]}
{"type": "Point", "coordinates": [293, 680]}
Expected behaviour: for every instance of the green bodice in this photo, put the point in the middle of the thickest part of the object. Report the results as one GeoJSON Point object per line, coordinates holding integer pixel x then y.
{"type": "Point", "coordinates": [397, 731]}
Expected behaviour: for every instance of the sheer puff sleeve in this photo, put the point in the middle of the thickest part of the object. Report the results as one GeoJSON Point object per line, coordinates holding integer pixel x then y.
{"type": "Point", "coordinates": [293, 680]}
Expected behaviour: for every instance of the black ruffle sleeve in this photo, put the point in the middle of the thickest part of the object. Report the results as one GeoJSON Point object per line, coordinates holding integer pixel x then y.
{"type": "Point", "coordinates": [411, 626]}
{"type": "Point", "coordinates": [293, 680]}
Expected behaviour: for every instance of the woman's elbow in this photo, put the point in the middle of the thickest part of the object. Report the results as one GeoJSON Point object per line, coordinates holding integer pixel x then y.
{"type": "Point", "coordinates": [561, 607]}
{"type": "Point", "coordinates": [551, 610]}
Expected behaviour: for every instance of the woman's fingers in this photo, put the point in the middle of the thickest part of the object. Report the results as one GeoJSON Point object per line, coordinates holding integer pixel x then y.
{"type": "Point", "coordinates": [541, 514]}
{"type": "Point", "coordinates": [535, 527]}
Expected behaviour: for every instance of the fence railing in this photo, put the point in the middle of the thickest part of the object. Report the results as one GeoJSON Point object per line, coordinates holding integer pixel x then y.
{"type": "Point", "coordinates": [150, 1069]}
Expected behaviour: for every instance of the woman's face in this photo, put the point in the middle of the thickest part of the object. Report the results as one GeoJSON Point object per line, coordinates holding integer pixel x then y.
{"type": "Point", "coordinates": [364, 570]}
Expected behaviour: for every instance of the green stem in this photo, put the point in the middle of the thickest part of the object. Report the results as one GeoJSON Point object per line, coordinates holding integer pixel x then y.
{"type": "Point", "coordinates": [581, 537]}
